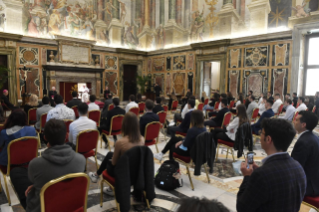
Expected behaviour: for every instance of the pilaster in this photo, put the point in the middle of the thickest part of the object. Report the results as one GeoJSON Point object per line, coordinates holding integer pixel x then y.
{"type": "Point", "coordinates": [259, 10]}
{"type": "Point", "coordinates": [229, 20]}
{"type": "Point", "coordinates": [115, 32]}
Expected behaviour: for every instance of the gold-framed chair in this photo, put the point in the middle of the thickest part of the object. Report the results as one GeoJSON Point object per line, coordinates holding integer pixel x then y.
{"type": "Point", "coordinates": [115, 128]}
{"type": "Point", "coordinates": [95, 115]}
{"type": "Point", "coordinates": [306, 207]}
{"type": "Point", "coordinates": [226, 120]}
{"type": "Point", "coordinates": [32, 116]}
{"type": "Point", "coordinates": [152, 131]}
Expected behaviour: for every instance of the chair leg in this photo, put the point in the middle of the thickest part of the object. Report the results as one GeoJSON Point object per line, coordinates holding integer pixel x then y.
{"type": "Point", "coordinates": [156, 148]}
{"type": "Point", "coordinates": [6, 185]}
{"type": "Point", "coordinates": [146, 200]}
{"type": "Point", "coordinates": [232, 153]}
{"type": "Point", "coordinates": [190, 178]}
{"type": "Point", "coordinates": [227, 153]}
{"type": "Point", "coordinates": [97, 165]}
{"type": "Point", "coordinates": [217, 150]}
{"type": "Point", "coordinates": [101, 196]}
{"type": "Point", "coordinates": [108, 142]}
{"type": "Point", "coordinates": [101, 141]}
{"type": "Point", "coordinates": [208, 179]}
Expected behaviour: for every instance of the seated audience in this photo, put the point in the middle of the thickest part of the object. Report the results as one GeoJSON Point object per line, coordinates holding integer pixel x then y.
{"type": "Point", "coordinates": [75, 101]}
{"type": "Point", "coordinates": [317, 102]}
{"type": "Point", "coordinates": [196, 102]}
{"type": "Point", "coordinates": [46, 107]}
{"type": "Point", "coordinates": [290, 111]}
{"type": "Point", "coordinates": [180, 117]}
{"type": "Point", "coordinates": [262, 107]}
{"type": "Point", "coordinates": [131, 138]}
{"type": "Point", "coordinates": [277, 103]}
{"type": "Point", "coordinates": [255, 128]}
{"type": "Point", "coordinates": [295, 99]}
{"type": "Point", "coordinates": [148, 117]}
{"type": "Point", "coordinates": [172, 98]}
{"type": "Point", "coordinates": [229, 97]}
{"type": "Point", "coordinates": [183, 146]}
{"type": "Point", "coordinates": [250, 93]}
{"type": "Point", "coordinates": [5, 100]}
{"type": "Point", "coordinates": [218, 120]}
{"type": "Point", "coordinates": [240, 99]}
{"type": "Point", "coordinates": [252, 105]}
{"type": "Point", "coordinates": [302, 105]}
{"type": "Point", "coordinates": [306, 150]}
{"type": "Point", "coordinates": [186, 97]}
{"type": "Point", "coordinates": [107, 103]}
{"type": "Point", "coordinates": [311, 103]}
{"type": "Point", "coordinates": [52, 93]}
{"type": "Point", "coordinates": [14, 128]}
{"type": "Point", "coordinates": [158, 107]}
{"type": "Point", "coordinates": [107, 93]}
{"type": "Point", "coordinates": [2, 119]}
{"type": "Point", "coordinates": [60, 111]}
{"type": "Point", "coordinates": [184, 126]}
{"type": "Point", "coordinates": [106, 123]}
{"type": "Point", "coordinates": [138, 98]}
{"type": "Point", "coordinates": [92, 105]}
{"type": "Point", "coordinates": [214, 113]}
{"type": "Point", "coordinates": [280, 183]}
{"type": "Point", "coordinates": [81, 124]}
{"type": "Point", "coordinates": [32, 103]}
{"type": "Point", "coordinates": [56, 161]}
{"type": "Point", "coordinates": [194, 204]}
{"type": "Point", "coordinates": [261, 99]}
{"type": "Point", "coordinates": [269, 96]}
{"type": "Point", "coordinates": [287, 96]}
{"type": "Point", "coordinates": [211, 104]}
{"type": "Point", "coordinates": [229, 133]}
{"type": "Point", "coordinates": [204, 96]}
{"type": "Point", "coordinates": [131, 103]}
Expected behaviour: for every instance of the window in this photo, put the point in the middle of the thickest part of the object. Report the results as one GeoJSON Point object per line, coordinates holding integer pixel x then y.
{"type": "Point", "coordinates": [311, 84]}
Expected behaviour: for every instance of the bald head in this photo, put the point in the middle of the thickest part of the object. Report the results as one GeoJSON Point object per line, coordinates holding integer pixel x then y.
{"type": "Point", "coordinates": [5, 92]}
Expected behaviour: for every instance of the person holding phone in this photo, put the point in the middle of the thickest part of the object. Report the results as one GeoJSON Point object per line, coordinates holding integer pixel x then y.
{"type": "Point", "coordinates": [280, 183]}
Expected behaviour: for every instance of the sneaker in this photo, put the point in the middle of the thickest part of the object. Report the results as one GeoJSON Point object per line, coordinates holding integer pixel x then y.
{"type": "Point", "coordinates": [158, 156]}
{"type": "Point", "coordinates": [106, 145]}
{"type": "Point", "coordinates": [94, 178]}
{"type": "Point", "coordinates": [108, 191]}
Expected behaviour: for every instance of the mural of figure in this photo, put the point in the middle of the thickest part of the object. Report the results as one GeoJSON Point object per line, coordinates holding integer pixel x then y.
{"type": "Point", "coordinates": [54, 22]}
{"type": "Point", "coordinates": [44, 26]}
{"type": "Point", "coordinates": [129, 38]}
{"type": "Point", "coordinates": [109, 7]}
{"type": "Point", "coordinates": [2, 21]}
{"type": "Point", "coordinates": [94, 17]}
{"type": "Point", "coordinates": [37, 21]}
{"type": "Point", "coordinates": [300, 11]}
{"type": "Point", "coordinates": [179, 84]}
{"type": "Point", "coordinates": [26, 17]}
{"type": "Point", "coordinates": [103, 37]}
{"type": "Point", "coordinates": [160, 36]}
{"type": "Point", "coordinates": [123, 11]}
{"type": "Point", "coordinates": [32, 28]}
{"type": "Point", "coordinates": [87, 28]}
{"type": "Point", "coordinates": [197, 28]}
{"type": "Point", "coordinates": [74, 24]}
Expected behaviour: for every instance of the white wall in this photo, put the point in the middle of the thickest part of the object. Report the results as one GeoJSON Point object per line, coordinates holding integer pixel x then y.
{"type": "Point", "coordinates": [215, 77]}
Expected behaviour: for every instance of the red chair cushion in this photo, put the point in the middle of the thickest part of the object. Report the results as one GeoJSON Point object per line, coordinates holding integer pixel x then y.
{"type": "Point", "coordinates": [312, 201]}
{"type": "Point", "coordinates": [149, 143]}
{"type": "Point", "coordinates": [113, 133]}
{"type": "Point", "coordinates": [180, 133]}
{"type": "Point", "coordinates": [186, 159]}
{"type": "Point", "coordinates": [79, 210]}
{"type": "Point", "coordinates": [108, 178]}
{"type": "Point", "coordinates": [88, 154]}
{"type": "Point", "coordinates": [227, 143]}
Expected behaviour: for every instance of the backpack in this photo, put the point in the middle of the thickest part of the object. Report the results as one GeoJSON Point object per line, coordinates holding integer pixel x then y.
{"type": "Point", "coordinates": [164, 178]}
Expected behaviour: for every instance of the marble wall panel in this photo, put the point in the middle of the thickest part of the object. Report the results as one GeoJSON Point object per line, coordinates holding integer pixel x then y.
{"type": "Point", "coordinates": [179, 80]}
{"type": "Point", "coordinates": [179, 62]}
{"type": "Point", "coordinates": [168, 83]}
{"type": "Point", "coordinates": [256, 56]}
{"type": "Point", "coordinates": [28, 56]}
{"type": "Point", "coordinates": [159, 64]}
{"type": "Point", "coordinates": [43, 56]}
{"type": "Point", "coordinates": [190, 62]}
{"type": "Point", "coordinates": [233, 82]}
{"type": "Point", "coordinates": [280, 81]}
{"type": "Point", "coordinates": [32, 79]}
{"type": "Point", "coordinates": [234, 60]}
{"type": "Point", "coordinates": [111, 81]}
{"type": "Point", "coordinates": [159, 79]}
{"type": "Point", "coordinates": [149, 64]}
{"type": "Point", "coordinates": [168, 63]}
{"type": "Point", "coordinates": [111, 62]}
{"type": "Point", "coordinates": [281, 54]}
{"type": "Point", "coordinates": [255, 80]}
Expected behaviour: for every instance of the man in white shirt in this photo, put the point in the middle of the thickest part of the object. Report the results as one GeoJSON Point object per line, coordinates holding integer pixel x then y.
{"type": "Point", "coordinates": [252, 105]}
{"type": "Point", "coordinates": [277, 103]}
{"type": "Point", "coordinates": [302, 105]}
{"type": "Point", "coordinates": [287, 96]}
{"type": "Point", "coordinates": [262, 106]}
{"type": "Point", "coordinates": [290, 111]}
{"type": "Point", "coordinates": [92, 105]}
{"type": "Point", "coordinates": [60, 111]}
{"type": "Point", "coordinates": [131, 104]}
{"type": "Point", "coordinates": [42, 110]}
{"type": "Point", "coordinates": [81, 124]}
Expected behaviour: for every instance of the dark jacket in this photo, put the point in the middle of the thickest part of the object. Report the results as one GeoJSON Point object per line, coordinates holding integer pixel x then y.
{"type": "Point", "coordinates": [184, 126]}
{"type": "Point", "coordinates": [135, 167]}
{"type": "Point", "coordinates": [203, 151]}
{"type": "Point", "coordinates": [106, 123]}
{"type": "Point", "coordinates": [243, 138]}
{"type": "Point", "coordinates": [158, 108]}
{"type": "Point", "coordinates": [267, 114]}
{"type": "Point", "coordinates": [7, 102]}
{"type": "Point", "coordinates": [157, 90]}
{"type": "Point", "coordinates": [106, 94]}
{"type": "Point", "coordinates": [220, 116]}
{"type": "Point", "coordinates": [73, 102]}
{"type": "Point", "coordinates": [295, 101]}
{"type": "Point", "coordinates": [107, 103]}
{"type": "Point", "coordinates": [145, 119]}
{"type": "Point", "coordinates": [279, 185]}
{"type": "Point", "coordinates": [51, 96]}
{"type": "Point", "coordinates": [317, 105]}
{"type": "Point", "coordinates": [306, 152]}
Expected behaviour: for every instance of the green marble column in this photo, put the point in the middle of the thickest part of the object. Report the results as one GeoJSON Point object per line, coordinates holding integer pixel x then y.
{"type": "Point", "coordinates": [162, 12]}
{"type": "Point", "coordinates": [116, 12]}
{"type": "Point", "coordinates": [172, 9]}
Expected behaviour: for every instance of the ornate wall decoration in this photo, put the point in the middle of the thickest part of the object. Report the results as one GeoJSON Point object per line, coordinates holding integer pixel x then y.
{"type": "Point", "coordinates": [234, 58]}
{"type": "Point", "coordinates": [168, 83]}
{"type": "Point", "coordinates": [32, 81]}
{"type": "Point", "coordinates": [168, 63]}
{"type": "Point", "coordinates": [44, 56]}
{"type": "Point", "coordinates": [255, 80]}
{"type": "Point", "coordinates": [234, 82]}
{"type": "Point", "coordinates": [281, 54]}
{"type": "Point", "coordinates": [96, 60]}
{"type": "Point", "coordinates": [256, 56]}
{"type": "Point", "coordinates": [179, 80]}
{"type": "Point", "coordinates": [149, 64]}
{"type": "Point", "coordinates": [52, 55]}
{"type": "Point", "coordinates": [111, 81]}
{"type": "Point", "coordinates": [280, 78]}
{"type": "Point", "coordinates": [28, 56]}
{"type": "Point", "coordinates": [160, 80]}
{"type": "Point", "coordinates": [159, 64]}
{"type": "Point", "coordinates": [111, 63]}
{"type": "Point", "coordinates": [179, 62]}
{"type": "Point", "coordinates": [190, 62]}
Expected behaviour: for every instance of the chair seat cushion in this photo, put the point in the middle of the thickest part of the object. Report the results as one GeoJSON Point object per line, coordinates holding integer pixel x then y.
{"type": "Point", "coordinates": [149, 143]}
{"type": "Point", "coordinates": [180, 133]}
{"type": "Point", "coordinates": [113, 133]}
{"type": "Point", "coordinates": [88, 154]}
{"type": "Point", "coordinates": [312, 201]}
{"type": "Point", "coordinates": [186, 159]}
{"type": "Point", "coordinates": [108, 178]}
{"type": "Point", "coordinates": [227, 143]}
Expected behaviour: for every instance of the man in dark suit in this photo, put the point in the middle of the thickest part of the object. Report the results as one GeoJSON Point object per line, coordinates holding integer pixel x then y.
{"type": "Point", "coordinates": [106, 123]}
{"type": "Point", "coordinates": [295, 99]}
{"type": "Point", "coordinates": [148, 117]}
{"type": "Point", "coordinates": [157, 90]}
{"type": "Point", "coordinates": [158, 107]}
{"type": "Point", "coordinates": [107, 93]}
{"type": "Point", "coordinates": [279, 185]}
{"type": "Point", "coordinates": [75, 101]}
{"type": "Point", "coordinates": [255, 128]}
{"type": "Point", "coordinates": [218, 120]}
{"type": "Point", "coordinates": [107, 103]}
{"type": "Point", "coordinates": [6, 101]}
{"type": "Point", "coordinates": [306, 150]}
{"type": "Point", "coordinates": [184, 126]}
{"type": "Point", "coordinates": [52, 93]}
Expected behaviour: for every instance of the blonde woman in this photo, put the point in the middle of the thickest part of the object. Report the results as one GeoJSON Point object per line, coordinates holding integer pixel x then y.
{"type": "Point", "coordinates": [204, 96]}
{"type": "Point", "coordinates": [32, 103]}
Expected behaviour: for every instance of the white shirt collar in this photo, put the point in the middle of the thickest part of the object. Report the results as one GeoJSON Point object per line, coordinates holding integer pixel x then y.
{"type": "Point", "coordinates": [269, 156]}
{"type": "Point", "coordinates": [60, 105]}
{"type": "Point", "coordinates": [302, 133]}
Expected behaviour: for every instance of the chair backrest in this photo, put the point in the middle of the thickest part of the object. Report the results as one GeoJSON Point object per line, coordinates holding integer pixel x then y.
{"type": "Point", "coordinates": [306, 207]}
{"type": "Point", "coordinates": [135, 110]}
{"type": "Point", "coordinates": [280, 109]}
{"type": "Point", "coordinates": [43, 120]}
{"type": "Point", "coordinates": [95, 115]}
{"type": "Point", "coordinates": [116, 123]}
{"type": "Point", "coordinates": [32, 115]}
{"type": "Point", "coordinates": [152, 130]}
{"type": "Point", "coordinates": [162, 116]}
{"type": "Point", "coordinates": [206, 101]}
{"type": "Point", "coordinates": [76, 111]}
{"type": "Point", "coordinates": [22, 151]}
{"type": "Point", "coordinates": [216, 105]}
{"type": "Point", "coordinates": [295, 116]}
{"type": "Point", "coordinates": [69, 191]}
{"type": "Point", "coordinates": [314, 109]}
{"type": "Point", "coordinates": [297, 105]}
{"type": "Point", "coordinates": [1, 127]}
{"type": "Point", "coordinates": [227, 118]}
{"type": "Point", "coordinates": [111, 106]}
{"type": "Point", "coordinates": [5, 107]}
{"type": "Point", "coordinates": [254, 115]}
{"type": "Point", "coordinates": [141, 106]}
{"type": "Point", "coordinates": [231, 104]}
{"type": "Point", "coordinates": [87, 140]}
{"type": "Point", "coordinates": [67, 124]}
{"type": "Point", "coordinates": [292, 104]}
{"type": "Point", "coordinates": [200, 106]}
{"type": "Point", "coordinates": [174, 105]}
{"type": "Point", "coordinates": [244, 101]}
{"type": "Point", "coordinates": [165, 107]}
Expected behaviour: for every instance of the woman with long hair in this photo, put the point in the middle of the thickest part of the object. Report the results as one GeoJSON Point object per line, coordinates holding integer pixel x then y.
{"type": "Point", "coordinates": [204, 96]}
{"type": "Point", "coordinates": [211, 104]}
{"type": "Point", "coordinates": [15, 127]}
{"type": "Point", "coordinates": [131, 138]}
{"type": "Point", "coordinates": [240, 99]}
{"type": "Point", "coordinates": [32, 103]}
{"type": "Point", "coordinates": [230, 133]}
{"type": "Point", "coordinates": [183, 146]}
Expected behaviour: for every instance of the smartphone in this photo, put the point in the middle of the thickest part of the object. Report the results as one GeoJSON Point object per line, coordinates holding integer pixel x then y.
{"type": "Point", "coordinates": [250, 158]}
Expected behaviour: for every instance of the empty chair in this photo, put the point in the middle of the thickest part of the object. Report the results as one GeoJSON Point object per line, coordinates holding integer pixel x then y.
{"type": "Point", "coordinates": [135, 110]}
{"type": "Point", "coordinates": [200, 106]}
{"type": "Point", "coordinates": [141, 106]}
{"type": "Point", "coordinates": [174, 106]}
{"type": "Point", "coordinates": [115, 128]}
{"type": "Point", "coordinates": [95, 115]}
{"type": "Point", "coordinates": [151, 133]}
{"type": "Point", "coordinates": [32, 116]}
{"type": "Point", "coordinates": [86, 144]}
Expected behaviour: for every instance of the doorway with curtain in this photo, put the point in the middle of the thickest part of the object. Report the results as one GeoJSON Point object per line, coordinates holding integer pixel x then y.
{"type": "Point", "coordinates": [66, 89]}
{"type": "Point", "coordinates": [129, 79]}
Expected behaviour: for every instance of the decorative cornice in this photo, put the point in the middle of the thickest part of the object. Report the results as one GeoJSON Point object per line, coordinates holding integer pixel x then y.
{"type": "Point", "coordinates": [74, 40]}
{"type": "Point", "coordinates": [10, 36]}
{"type": "Point", "coordinates": [130, 51]}
{"type": "Point", "coordinates": [45, 41]}
{"type": "Point", "coordinates": [211, 44]}
{"type": "Point", "coordinates": [76, 68]}
{"type": "Point", "coordinates": [171, 50]}
{"type": "Point", "coordinates": [264, 37]}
